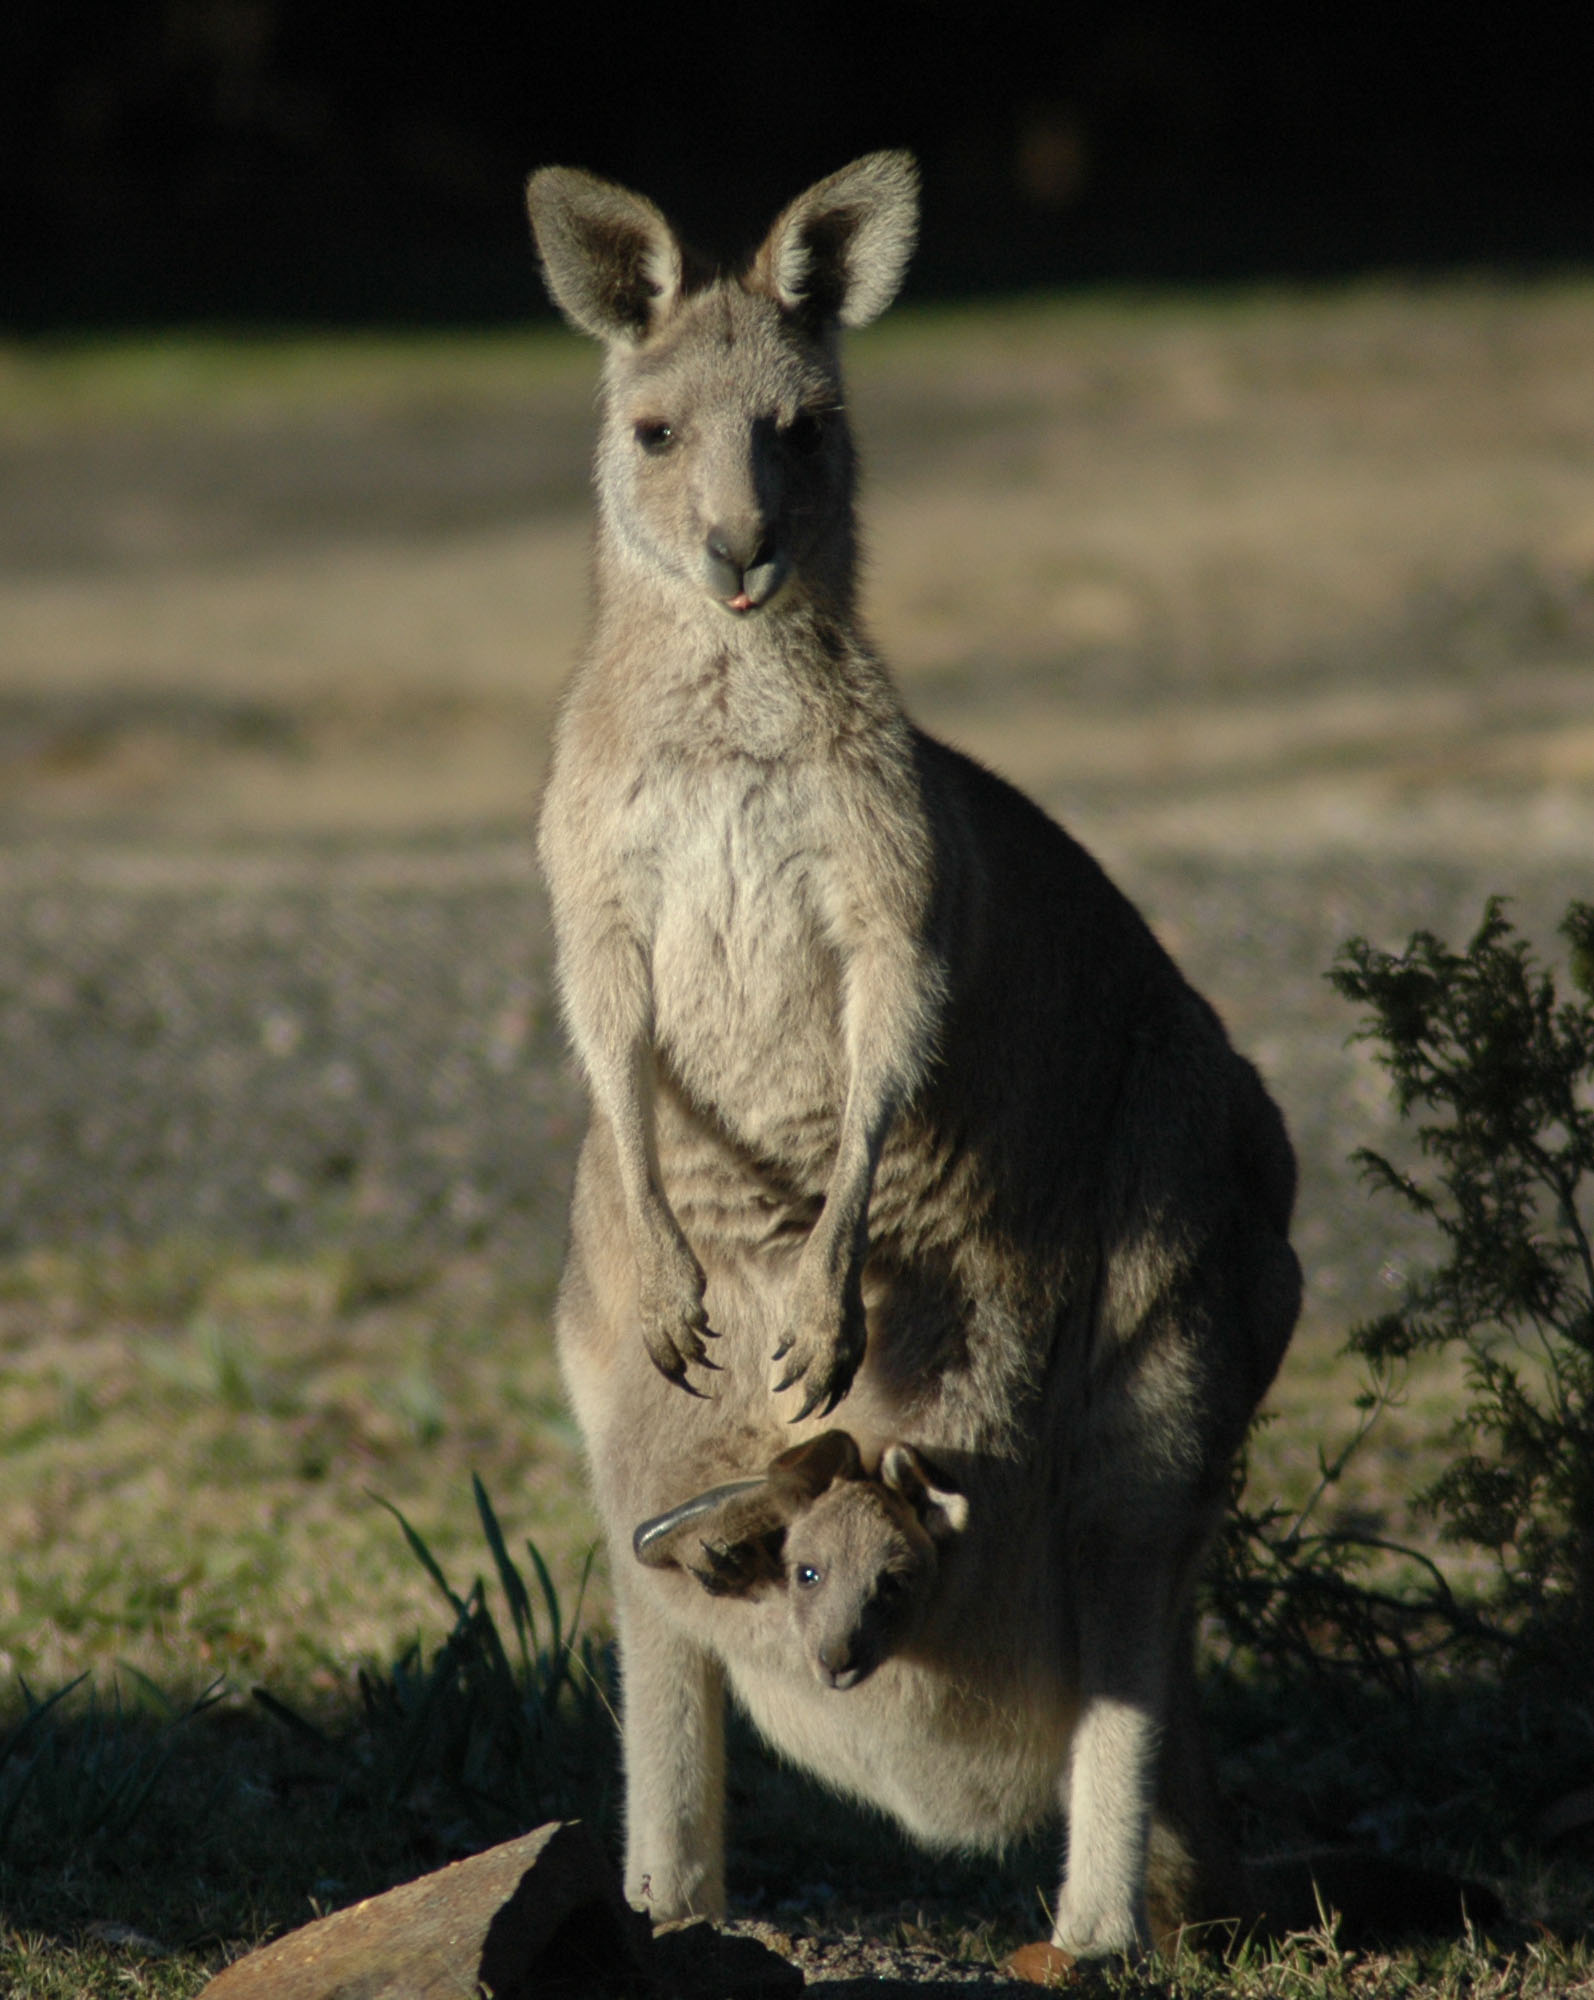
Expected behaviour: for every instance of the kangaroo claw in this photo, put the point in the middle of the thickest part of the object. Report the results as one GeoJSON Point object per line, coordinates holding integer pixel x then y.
{"type": "Point", "coordinates": [818, 1400]}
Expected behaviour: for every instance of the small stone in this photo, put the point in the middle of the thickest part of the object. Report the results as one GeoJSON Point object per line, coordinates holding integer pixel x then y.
{"type": "Point", "coordinates": [1041, 1965]}
{"type": "Point", "coordinates": [125, 1938]}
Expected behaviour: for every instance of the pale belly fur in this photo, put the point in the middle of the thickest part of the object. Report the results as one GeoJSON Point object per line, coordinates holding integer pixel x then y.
{"type": "Point", "coordinates": [955, 1768]}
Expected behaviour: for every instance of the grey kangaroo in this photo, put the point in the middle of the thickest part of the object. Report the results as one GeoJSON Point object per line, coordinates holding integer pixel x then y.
{"type": "Point", "coordinates": [896, 1103]}
{"type": "Point", "coordinates": [856, 1557]}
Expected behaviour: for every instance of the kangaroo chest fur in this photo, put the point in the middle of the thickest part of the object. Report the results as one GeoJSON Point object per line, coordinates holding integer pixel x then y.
{"type": "Point", "coordinates": [711, 814]}
{"type": "Point", "coordinates": [746, 986]}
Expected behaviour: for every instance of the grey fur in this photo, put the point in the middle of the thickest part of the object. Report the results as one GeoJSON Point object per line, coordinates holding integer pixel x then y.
{"type": "Point", "coordinates": [892, 1091]}
{"type": "Point", "coordinates": [857, 1558]}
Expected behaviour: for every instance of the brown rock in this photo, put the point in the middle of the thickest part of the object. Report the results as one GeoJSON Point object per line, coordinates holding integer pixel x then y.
{"type": "Point", "coordinates": [1040, 1964]}
{"type": "Point", "coordinates": [540, 1916]}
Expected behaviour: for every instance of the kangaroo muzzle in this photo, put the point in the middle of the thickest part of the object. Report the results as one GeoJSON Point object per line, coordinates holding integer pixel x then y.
{"type": "Point", "coordinates": [743, 570]}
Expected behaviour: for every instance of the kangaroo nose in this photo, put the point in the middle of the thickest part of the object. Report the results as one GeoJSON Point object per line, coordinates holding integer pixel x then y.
{"type": "Point", "coordinates": [732, 553]}
{"type": "Point", "coordinates": [726, 546]}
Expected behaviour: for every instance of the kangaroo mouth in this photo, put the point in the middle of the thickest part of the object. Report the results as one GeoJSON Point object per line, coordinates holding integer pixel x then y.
{"type": "Point", "coordinates": [755, 589]}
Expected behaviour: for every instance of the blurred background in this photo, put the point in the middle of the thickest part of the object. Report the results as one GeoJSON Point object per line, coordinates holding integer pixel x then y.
{"type": "Point", "coordinates": [289, 161]}
{"type": "Point", "coordinates": [1229, 484]}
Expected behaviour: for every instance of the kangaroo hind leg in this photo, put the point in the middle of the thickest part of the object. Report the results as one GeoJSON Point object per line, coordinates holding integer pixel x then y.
{"type": "Point", "coordinates": [674, 1713]}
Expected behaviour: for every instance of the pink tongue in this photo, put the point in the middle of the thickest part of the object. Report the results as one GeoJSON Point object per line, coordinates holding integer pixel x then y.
{"type": "Point", "coordinates": [740, 602]}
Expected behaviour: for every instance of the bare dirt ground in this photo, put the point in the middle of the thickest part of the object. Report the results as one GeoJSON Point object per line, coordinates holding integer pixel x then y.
{"type": "Point", "coordinates": [1284, 604]}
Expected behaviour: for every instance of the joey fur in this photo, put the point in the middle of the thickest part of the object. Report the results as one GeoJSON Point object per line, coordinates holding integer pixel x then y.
{"type": "Point", "coordinates": [896, 1105]}
{"type": "Point", "coordinates": [855, 1559]}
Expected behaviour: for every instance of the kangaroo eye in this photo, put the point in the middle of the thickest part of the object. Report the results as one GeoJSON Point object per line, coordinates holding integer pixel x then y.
{"type": "Point", "coordinates": [805, 433]}
{"type": "Point", "coordinates": [807, 1576]}
{"type": "Point", "coordinates": [654, 435]}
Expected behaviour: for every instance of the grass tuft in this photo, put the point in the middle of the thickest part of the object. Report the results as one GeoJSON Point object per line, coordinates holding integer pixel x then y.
{"type": "Point", "coordinates": [74, 1778]}
{"type": "Point", "coordinates": [502, 1732]}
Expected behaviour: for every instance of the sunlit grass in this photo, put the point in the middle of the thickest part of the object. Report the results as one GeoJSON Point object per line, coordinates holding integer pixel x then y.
{"type": "Point", "coordinates": [239, 376]}
{"type": "Point", "coordinates": [193, 1443]}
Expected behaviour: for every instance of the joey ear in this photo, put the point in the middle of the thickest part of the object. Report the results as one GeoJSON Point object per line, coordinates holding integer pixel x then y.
{"type": "Point", "coordinates": [610, 260]}
{"type": "Point", "coordinates": [839, 251]}
{"type": "Point", "coordinates": [800, 1474]}
{"type": "Point", "coordinates": [941, 1508]}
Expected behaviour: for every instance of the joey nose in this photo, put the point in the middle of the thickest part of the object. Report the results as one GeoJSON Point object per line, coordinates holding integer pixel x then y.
{"type": "Point", "coordinates": [835, 1661]}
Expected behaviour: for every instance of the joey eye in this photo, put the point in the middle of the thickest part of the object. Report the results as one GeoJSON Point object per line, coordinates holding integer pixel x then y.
{"type": "Point", "coordinates": [807, 1577]}
{"type": "Point", "coordinates": [655, 435]}
{"type": "Point", "coordinates": [805, 433]}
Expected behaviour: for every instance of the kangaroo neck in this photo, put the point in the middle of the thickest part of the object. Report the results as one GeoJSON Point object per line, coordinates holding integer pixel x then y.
{"type": "Point", "coordinates": [799, 663]}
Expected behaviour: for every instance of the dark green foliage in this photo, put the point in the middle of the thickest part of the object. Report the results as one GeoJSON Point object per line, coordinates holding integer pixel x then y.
{"type": "Point", "coordinates": [1338, 1605]}
{"type": "Point", "coordinates": [1498, 1074]}
{"type": "Point", "coordinates": [76, 1776]}
{"type": "Point", "coordinates": [513, 1730]}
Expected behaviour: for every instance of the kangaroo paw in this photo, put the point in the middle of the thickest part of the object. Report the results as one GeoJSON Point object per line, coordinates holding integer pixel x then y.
{"type": "Point", "coordinates": [674, 1320]}
{"type": "Point", "coordinates": [821, 1352]}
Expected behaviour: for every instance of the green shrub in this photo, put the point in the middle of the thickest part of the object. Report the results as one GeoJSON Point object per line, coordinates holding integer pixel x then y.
{"type": "Point", "coordinates": [1499, 1073]}
{"type": "Point", "coordinates": [1496, 1073]}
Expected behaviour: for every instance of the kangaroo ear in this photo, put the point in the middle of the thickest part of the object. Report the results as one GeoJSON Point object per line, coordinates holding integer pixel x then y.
{"type": "Point", "coordinates": [942, 1509]}
{"type": "Point", "coordinates": [610, 260]}
{"type": "Point", "coordinates": [839, 251]}
{"type": "Point", "coordinates": [801, 1474]}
